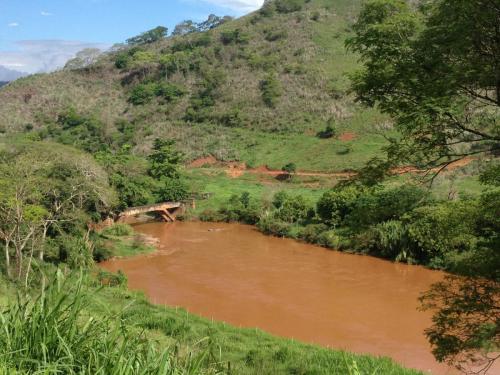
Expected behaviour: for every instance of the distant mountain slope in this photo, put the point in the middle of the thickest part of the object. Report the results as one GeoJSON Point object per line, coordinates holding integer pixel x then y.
{"type": "Point", "coordinates": [7, 75]}
{"type": "Point", "coordinates": [257, 89]}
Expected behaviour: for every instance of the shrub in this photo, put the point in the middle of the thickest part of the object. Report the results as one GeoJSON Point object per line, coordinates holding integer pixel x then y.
{"type": "Point", "coordinates": [311, 233]}
{"type": "Point", "coordinates": [142, 93]}
{"type": "Point", "coordinates": [376, 206]}
{"type": "Point", "coordinates": [436, 230]}
{"type": "Point", "coordinates": [293, 209]}
{"type": "Point", "coordinates": [272, 35]}
{"type": "Point", "coordinates": [390, 240]}
{"type": "Point", "coordinates": [172, 190]}
{"type": "Point", "coordinates": [334, 206]}
{"type": "Point", "coordinates": [235, 36]}
{"type": "Point", "coordinates": [288, 6]}
{"type": "Point", "coordinates": [270, 225]}
{"type": "Point", "coordinates": [168, 91]}
{"type": "Point", "coordinates": [271, 90]}
{"type": "Point", "coordinates": [241, 208]}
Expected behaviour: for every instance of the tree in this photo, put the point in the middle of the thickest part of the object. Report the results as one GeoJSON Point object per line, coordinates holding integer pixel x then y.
{"type": "Point", "coordinates": [465, 331]}
{"type": "Point", "coordinates": [185, 27]}
{"type": "Point", "coordinates": [84, 58]}
{"type": "Point", "coordinates": [46, 190]}
{"type": "Point", "coordinates": [148, 37]}
{"type": "Point", "coordinates": [434, 69]}
{"type": "Point", "coordinates": [164, 159]}
{"type": "Point", "coordinates": [289, 169]}
{"type": "Point", "coordinates": [212, 22]}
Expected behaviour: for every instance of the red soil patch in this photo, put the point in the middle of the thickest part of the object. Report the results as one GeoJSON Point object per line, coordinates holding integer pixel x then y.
{"type": "Point", "coordinates": [235, 169]}
{"type": "Point", "coordinates": [346, 137]}
{"type": "Point", "coordinates": [198, 163]}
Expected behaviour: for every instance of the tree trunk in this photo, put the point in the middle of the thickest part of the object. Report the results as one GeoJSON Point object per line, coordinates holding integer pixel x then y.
{"type": "Point", "coordinates": [29, 264]}
{"type": "Point", "coordinates": [7, 258]}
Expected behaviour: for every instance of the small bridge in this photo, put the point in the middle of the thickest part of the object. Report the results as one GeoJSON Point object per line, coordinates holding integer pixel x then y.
{"type": "Point", "coordinates": [167, 210]}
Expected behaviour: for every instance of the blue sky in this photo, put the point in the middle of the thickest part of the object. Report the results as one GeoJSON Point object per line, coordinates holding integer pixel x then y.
{"type": "Point", "coordinates": [40, 35]}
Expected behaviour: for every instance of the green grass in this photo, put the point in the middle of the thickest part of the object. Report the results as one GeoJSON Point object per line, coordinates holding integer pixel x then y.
{"type": "Point", "coordinates": [55, 333]}
{"type": "Point", "coordinates": [121, 241]}
{"type": "Point", "coordinates": [222, 187]}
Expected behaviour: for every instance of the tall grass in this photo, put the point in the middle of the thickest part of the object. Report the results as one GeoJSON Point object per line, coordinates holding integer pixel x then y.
{"type": "Point", "coordinates": [52, 334]}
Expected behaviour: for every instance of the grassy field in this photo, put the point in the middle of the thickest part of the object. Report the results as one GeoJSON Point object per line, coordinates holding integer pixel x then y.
{"type": "Point", "coordinates": [216, 181]}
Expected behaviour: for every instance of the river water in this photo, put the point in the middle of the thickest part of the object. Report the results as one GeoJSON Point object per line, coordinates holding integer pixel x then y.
{"type": "Point", "coordinates": [235, 274]}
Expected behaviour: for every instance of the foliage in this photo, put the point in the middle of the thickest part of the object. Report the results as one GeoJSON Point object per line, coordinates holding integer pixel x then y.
{"type": "Point", "coordinates": [144, 92]}
{"type": "Point", "coordinates": [465, 331]}
{"type": "Point", "coordinates": [48, 193]}
{"type": "Point", "coordinates": [241, 208]}
{"type": "Point", "coordinates": [52, 334]}
{"type": "Point", "coordinates": [288, 6]}
{"type": "Point", "coordinates": [377, 206]}
{"type": "Point", "coordinates": [291, 209]}
{"type": "Point", "coordinates": [148, 37]}
{"type": "Point", "coordinates": [328, 132]}
{"type": "Point", "coordinates": [442, 228]}
{"type": "Point", "coordinates": [432, 70]}
{"type": "Point", "coordinates": [236, 36]}
{"type": "Point", "coordinates": [335, 205]}
{"type": "Point", "coordinates": [188, 26]}
{"type": "Point", "coordinates": [164, 159]}
{"type": "Point", "coordinates": [271, 90]}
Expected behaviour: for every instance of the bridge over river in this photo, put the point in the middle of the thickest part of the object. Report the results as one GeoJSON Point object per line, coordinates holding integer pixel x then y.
{"type": "Point", "coordinates": [167, 210]}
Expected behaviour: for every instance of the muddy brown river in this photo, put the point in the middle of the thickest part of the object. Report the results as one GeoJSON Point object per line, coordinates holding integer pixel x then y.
{"type": "Point", "coordinates": [233, 273]}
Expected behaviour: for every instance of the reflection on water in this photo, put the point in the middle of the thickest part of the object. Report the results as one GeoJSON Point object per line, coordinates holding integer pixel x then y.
{"type": "Point", "coordinates": [234, 274]}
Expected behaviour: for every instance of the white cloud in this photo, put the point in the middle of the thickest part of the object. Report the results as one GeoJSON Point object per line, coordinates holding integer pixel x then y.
{"type": "Point", "coordinates": [238, 5]}
{"type": "Point", "coordinates": [45, 14]}
{"type": "Point", "coordinates": [34, 56]}
{"type": "Point", "coordinates": [13, 24]}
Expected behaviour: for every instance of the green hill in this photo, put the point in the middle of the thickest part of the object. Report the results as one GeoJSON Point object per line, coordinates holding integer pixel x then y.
{"type": "Point", "coordinates": [257, 89]}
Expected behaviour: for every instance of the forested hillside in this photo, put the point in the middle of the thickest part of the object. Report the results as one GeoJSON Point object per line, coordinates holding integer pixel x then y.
{"type": "Point", "coordinates": [251, 89]}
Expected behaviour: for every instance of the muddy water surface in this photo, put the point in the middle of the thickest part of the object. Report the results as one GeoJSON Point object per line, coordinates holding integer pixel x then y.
{"type": "Point", "coordinates": [233, 273]}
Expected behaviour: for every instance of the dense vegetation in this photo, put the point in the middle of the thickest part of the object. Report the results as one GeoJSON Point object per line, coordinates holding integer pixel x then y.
{"type": "Point", "coordinates": [114, 130]}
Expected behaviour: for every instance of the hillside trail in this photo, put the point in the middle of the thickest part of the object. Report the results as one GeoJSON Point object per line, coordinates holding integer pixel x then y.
{"type": "Point", "coordinates": [237, 169]}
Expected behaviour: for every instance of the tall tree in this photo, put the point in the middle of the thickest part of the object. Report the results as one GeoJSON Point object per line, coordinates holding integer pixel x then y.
{"type": "Point", "coordinates": [435, 69]}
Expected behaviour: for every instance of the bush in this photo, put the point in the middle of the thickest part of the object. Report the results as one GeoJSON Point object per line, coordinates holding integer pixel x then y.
{"type": "Point", "coordinates": [142, 93]}
{"type": "Point", "coordinates": [241, 208]}
{"type": "Point", "coordinates": [235, 36]}
{"type": "Point", "coordinates": [271, 90]}
{"type": "Point", "coordinates": [289, 6]}
{"type": "Point", "coordinates": [376, 206]}
{"type": "Point", "coordinates": [446, 227]}
{"type": "Point", "coordinates": [172, 190]}
{"type": "Point", "coordinates": [311, 233]}
{"type": "Point", "coordinates": [270, 225]}
{"type": "Point", "coordinates": [390, 240]}
{"type": "Point", "coordinates": [329, 132]}
{"type": "Point", "coordinates": [334, 206]}
{"type": "Point", "coordinates": [293, 209]}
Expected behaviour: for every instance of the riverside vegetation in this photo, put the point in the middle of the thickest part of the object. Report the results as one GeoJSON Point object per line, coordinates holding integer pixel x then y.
{"type": "Point", "coordinates": [271, 88]}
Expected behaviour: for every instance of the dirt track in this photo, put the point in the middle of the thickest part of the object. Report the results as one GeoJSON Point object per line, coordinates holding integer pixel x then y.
{"type": "Point", "coordinates": [237, 169]}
